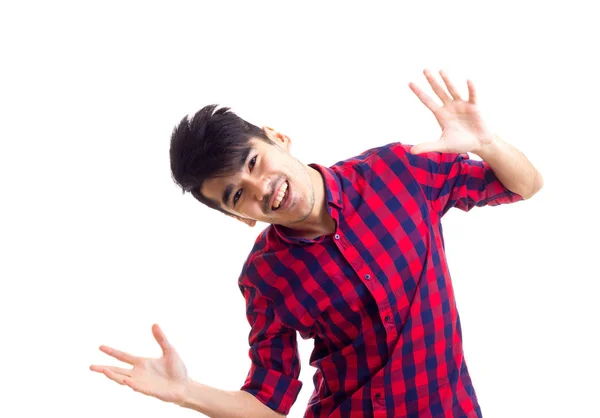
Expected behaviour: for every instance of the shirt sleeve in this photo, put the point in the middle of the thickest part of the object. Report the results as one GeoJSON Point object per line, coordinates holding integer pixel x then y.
{"type": "Point", "coordinates": [275, 368]}
{"type": "Point", "coordinates": [454, 180]}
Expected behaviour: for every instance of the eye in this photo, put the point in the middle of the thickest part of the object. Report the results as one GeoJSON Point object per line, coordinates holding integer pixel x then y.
{"type": "Point", "coordinates": [239, 192]}
{"type": "Point", "coordinates": [237, 196]}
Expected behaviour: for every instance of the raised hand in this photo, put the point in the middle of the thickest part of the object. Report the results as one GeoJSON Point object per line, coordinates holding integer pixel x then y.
{"type": "Point", "coordinates": [164, 378]}
{"type": "Point", "coordinates": [463, 129]}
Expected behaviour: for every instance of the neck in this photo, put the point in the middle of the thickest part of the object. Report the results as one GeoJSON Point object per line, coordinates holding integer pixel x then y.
{"type": "Point", "coordinates": [319, 222]}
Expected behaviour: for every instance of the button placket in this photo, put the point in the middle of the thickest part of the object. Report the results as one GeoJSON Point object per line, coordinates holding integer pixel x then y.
{"type": "Point", "coordinates": [379, 400]}
{"type": "Point", "coordinates": [377, 391]}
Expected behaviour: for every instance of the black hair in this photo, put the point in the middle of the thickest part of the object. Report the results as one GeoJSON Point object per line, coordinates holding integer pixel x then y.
{"type": "Point", "coordinates": [213, 143]}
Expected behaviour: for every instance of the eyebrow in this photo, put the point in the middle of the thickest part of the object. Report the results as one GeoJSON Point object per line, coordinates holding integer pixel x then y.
{"type": "Point", "coordinates": [226, 194]}
{"type": "Point", "coordinates": [229, 189]}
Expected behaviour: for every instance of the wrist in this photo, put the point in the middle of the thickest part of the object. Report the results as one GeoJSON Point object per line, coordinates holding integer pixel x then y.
{"type": "Point", "coordinates": [488, 145]}
{"type": "Point", "coordinates": [189, 388]}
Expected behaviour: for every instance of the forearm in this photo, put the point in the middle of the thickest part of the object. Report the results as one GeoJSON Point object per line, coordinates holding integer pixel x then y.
{"type": "Point", "coordinates": [511, 167]}
{"type": "Point", "coordinates": [217, 403]}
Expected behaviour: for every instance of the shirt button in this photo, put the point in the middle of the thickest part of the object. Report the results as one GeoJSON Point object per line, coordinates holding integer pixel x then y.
{"type": "Point", "coordinates": [387, 318]}
{"type": "Point", "coordinates": [367, 276]}
{"type": "Point", "coordinates": [337, 236]}
{"type": "Point", "coordinates": [378, 395]}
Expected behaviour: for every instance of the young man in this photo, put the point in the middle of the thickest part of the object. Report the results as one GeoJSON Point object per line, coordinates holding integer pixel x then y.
{"type": "Point", "coordinates": [354, 258]}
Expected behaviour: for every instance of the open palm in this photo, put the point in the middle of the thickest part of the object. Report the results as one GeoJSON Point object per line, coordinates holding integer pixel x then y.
{"type": "Point", "coordinates": [463, 128]}
{"type": "Point", "coordinates": [163, 378]}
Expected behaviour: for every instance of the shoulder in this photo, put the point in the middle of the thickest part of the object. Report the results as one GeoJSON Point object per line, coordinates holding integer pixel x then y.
{"type": "Point", "coordinates": [260, 246]}
{"type": "Point", "coordinates": [394, 147]}
{"type": "Point", "coordinates": [394, 150]}
{"type": "Point", "coordinates": [261, 265]}
{"type": "Point", "coordinates": [385, 159]}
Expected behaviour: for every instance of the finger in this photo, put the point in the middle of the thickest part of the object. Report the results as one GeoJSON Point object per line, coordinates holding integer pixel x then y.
{"type": "Point", "coordinates": [161, 339]}
{"type": "Point", "coordinates": [138, 387]}
{"type": "Point", "coordinates": [435, 146]}
{"type": "Point", "coordinates": [131, 384]}
{"type": "Point", "coordinates": [472, 92]}
{"type": "Point", "coordinates": [119, 378]}
{"type": "Point", "coordinates": [427, 101]}
{"type": "Point", "coordinates": [118, 370]}
{"type": "Point", "coordinates": [437, 88]}
{"type": "Point", "coordinates": [119, 355]}
{"type": "Point", "coordinates": [455, 94]}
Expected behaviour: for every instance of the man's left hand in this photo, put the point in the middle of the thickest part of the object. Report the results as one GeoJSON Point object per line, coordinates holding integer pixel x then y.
{"type": "Point", "coordinates": [463, 129]}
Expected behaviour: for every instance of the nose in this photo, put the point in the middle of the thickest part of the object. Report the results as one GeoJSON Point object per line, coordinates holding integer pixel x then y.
{"type": "Point", "coordinates": [260, 186]}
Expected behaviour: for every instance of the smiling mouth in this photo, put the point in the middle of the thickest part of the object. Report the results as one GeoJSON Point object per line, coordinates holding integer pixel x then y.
{"type": "Point", "coordinates": [281, 195]}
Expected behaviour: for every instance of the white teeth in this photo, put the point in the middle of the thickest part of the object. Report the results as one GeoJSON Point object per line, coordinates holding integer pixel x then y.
{"type": "Point", "coordinates": [280, 195]}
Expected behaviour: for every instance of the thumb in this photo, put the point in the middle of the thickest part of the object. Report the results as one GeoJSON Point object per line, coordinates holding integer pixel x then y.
{"type": "Point", "coordinates": [434, 146]}
{"type": "Point", "coordinates": [161, 339]}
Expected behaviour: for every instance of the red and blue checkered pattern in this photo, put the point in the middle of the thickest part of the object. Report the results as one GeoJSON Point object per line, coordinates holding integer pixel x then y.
{"type": "Point", "coordinates": [375, 296]}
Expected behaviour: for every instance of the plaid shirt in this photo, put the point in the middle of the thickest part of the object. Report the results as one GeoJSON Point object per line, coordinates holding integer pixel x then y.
{"type": "Point", "coordinates": [375, 295]}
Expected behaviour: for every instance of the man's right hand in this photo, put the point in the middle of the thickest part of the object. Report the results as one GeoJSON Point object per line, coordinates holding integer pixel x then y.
{"type": "Point", "coordinates": [164, 378]}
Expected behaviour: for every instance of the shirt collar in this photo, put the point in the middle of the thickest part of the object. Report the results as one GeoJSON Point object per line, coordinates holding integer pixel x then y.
{"type": "Point", "coordinates": [333, 188]}
{"type": "Point", "coordinates": [333, 193]}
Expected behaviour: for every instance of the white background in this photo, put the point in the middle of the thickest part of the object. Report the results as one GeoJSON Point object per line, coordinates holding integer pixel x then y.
{"type": "Point", "coordinates": [98, 243]}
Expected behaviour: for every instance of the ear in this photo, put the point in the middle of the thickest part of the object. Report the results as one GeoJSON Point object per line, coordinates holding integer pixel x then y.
{"type": "Point", "coordinates": [249, 222]}
{"type": "Point", "coordinates": [278, 138]}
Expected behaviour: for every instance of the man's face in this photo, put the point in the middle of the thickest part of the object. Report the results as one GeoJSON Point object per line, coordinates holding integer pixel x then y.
{"type": "Point", "coordinates": [271, 187]}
